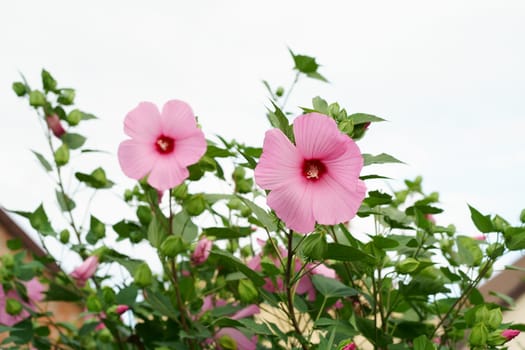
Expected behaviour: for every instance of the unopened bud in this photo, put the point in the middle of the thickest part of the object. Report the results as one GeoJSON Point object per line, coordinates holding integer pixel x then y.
{"type": "Point", "coordinates": [195, 205]}
{"type": "Point", "coordinates": [172, 246]}
{"type": "Point", "coordinates": [19, 89]}
{"type": "Point", "coordinates": [143, 276]}
{"type": "Point", "coordinates": [64, 236]}
{"type": "Point", "coordinates": [13, 306]}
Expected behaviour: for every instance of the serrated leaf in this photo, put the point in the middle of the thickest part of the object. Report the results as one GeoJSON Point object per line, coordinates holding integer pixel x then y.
{"type": "Point", "coordinates": [382, 158]}
{"type": "Point", "coordinates": [43, 161]}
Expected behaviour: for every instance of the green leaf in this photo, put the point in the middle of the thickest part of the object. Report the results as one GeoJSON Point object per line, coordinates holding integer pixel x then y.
{"type": "Point", "coordinates": [156, 232]}
{"type": "Point", "coordinates": [320, 105]}
{"type": "Point", "coordinates": [342, 252]}
{"type": "Point", "coordinates": [183, 226]}
{"type": "Point", "coordinates": [60, 292]}
{"type": "Point", "coordinates": [97, 230]}
{"type": "Point", "coordinates": [515, 238]}
{"type": "Point", "coordinates": [97, 179]}
{"type": "Point", "coordinates": [127, 295]}
{"type": "Point", "coordinates": [314, 246]}
{"type": "Point", "coordinates": [317, 76]}
{"type": "Point", "coordinates": [65, 203]}
{"type": "Point", "coordinates": [214, 151]}
{"type": "Point", "coordinates": [423, 343]}
{"type": "Point", "coordinates": [278, 120]}
{"type": "Point", "coordinates": [376, 198]}
{"type": "Point", "coordinates": [304, 64]}
{"type": "Point", "coordinates": [264, 218]}
{"type": "Point", "coordinates": [482, 222]}
{"type": "Point", "coordinates": [14, 244]}
{"type": "Point", "coordinates": [254, 276]}
{"type": "Point", "coordinates": [330, 287]}
{"type": "Point", "coordinates": [74, 141]}
{"type": "Point", "coordinates": [161, 303]}
{"type": "Point", "coordinates": [43, 161]}
{"type": "Point", "coordinates": [232, 232]}
{"type": "Point", "coordinates": [379, 159]}
{"type": "Point", "coordinates": [361, 118]}
{"type": "Point", "coordinates": [39, 221]}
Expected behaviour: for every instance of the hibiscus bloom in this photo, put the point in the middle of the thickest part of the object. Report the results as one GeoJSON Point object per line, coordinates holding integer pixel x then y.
{"type": "Point", "coordinates": [315, 180]}
{"type": "Point", "coordinates": [35, 293]}
{"type": "Point", "coordinates": [163, 144]}
{"type": "Point", "coordinates": [202, 251]}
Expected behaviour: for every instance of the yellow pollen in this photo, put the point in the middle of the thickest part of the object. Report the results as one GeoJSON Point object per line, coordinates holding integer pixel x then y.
{"type": "Point", "coordinates": [163, 144]}
{"type": "Point", "coordinates": [312, 172]}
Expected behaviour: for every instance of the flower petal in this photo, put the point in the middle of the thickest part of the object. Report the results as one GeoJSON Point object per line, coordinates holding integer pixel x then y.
{"type": "Point", "coordinates": [334, 203]}
{"type": "Point", "coordinates": [178, 120]}
{"type": "Point", "coordinates": [190, 149]}
{"type": "Point", "coordinates": [317, 137]}
{"type": "Point", "coordinates": [242, 342]}
{"type": "Point", "coordinates": [292, 203]}
{"type": "Point", "coordinates": [143, 123]}
{"type": "Point", "coordinates": [280, 161]}
{"type": "Point", "coordinates": [167, 173]}
{"type": "Point", "coordinates": [136, 158]}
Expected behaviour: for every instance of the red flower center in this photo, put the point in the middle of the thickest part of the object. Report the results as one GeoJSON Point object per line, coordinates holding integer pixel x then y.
{"type": "Point", "coordinates": [165, 144]}
{"type": "Point", "coordinates": [313, 169]}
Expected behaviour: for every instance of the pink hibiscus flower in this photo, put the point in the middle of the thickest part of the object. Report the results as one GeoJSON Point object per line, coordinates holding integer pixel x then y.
{"type": "Point", "coordinates": [35, 293]}
{"type": "Point", "coordinates": [315, 180]}
{"type": "Point", "coordinates": [163, 144]}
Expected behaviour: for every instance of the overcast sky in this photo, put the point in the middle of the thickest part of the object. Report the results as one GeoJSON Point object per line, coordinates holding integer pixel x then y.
{"type": "Point", "coordinates": [449, 76]}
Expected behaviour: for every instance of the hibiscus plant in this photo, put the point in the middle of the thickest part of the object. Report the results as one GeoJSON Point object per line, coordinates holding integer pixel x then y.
{"type": "Point", "coordinates": [274, 261]}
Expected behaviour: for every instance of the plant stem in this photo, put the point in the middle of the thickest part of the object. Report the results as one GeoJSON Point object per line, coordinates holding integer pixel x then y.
{"type": "Point", "coordinates": [290, 293]}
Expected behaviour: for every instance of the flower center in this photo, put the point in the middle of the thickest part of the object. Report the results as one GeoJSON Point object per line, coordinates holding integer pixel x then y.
{"type": "Point", "coordinates": [165, 144]}
{"type": "Point", "coordinates": [313, 169]}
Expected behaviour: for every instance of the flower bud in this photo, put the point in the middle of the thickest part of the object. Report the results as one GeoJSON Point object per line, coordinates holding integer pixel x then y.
{"type": "Point", "coordinates": [227, 343]}
{"type": "Point", "coordinates": [349, 346]}
{"type": "Point", "coordinates": [172, 246]}
{"type": "Point", "coordinates": [37, 98]}
{"type": "Point", "coordinates": [143, 276]}
{"type": "Point", "coordinates": [202, 251]}
{"type": "Point", "coordinates": [85, 271]}
{"type": "Point", "coordinates": [510, 334]}
{"type": "Point", "coordinates": [64, 236]}
{"type": "Point", "coordinates": [234, 203]}
{"type": "Point", "coordinates": [19, 89]}
{"type": "Point", "coordinates": [279, 92]}
{"type": "Point", "coordinates": [13, 306]}
{"type": "Point", "coordinates": [54, 124]}
{"type": "Point", "coordinates": [93, 304]}
{"type": "Point", "coordinates": [195, 205]}
{"type": "Point", "coordinates": [479, 335]}
{"type": "Point", "coordinates": [74, 117]}
{"type": "Point", "coordinates": [244, 185]}
{"type": "Point", "coordinates": [180, 192]}
{"type": "Point", "coordinates": [407, 265]}
{"type": "Point", "coordinates": [247, 291]}
{"type": "Point", "coordinates": [239, 173]}
{"type": "Point", "coordinates": [246, 212]}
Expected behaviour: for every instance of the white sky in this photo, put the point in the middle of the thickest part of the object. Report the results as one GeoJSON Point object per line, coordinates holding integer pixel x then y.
{"type": "Point", "coordinates": [448, 75]}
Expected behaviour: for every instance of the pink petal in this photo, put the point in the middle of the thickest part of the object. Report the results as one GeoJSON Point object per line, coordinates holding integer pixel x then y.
{"type": "Point", "coordinates": [136, 158]}
{"type": "Point", "coordinates": [280, 161]}
{"type": "Point", "coordinates": [317, 137]}
{"type": "Point", "coordinates": [35, 290]}
{"type": "Point", "coordinates": [143, 123]}
{"type": "Point", "coordinates": [191, 148]}
{"type": "Point", "coordinates": [292, 203]}
{"type": "Point", "coordinates": [305, 286]}
{"type": "Point", "coordinates": [324, 270]}
{"type": "Point", "coordinates": [167, 173]}
{"type": "Point", "coordinates": [178, 120]}
{"type": "Point", "coordinates": [248, 311]}
{"type": "Point", "coordinates": [334, 203]}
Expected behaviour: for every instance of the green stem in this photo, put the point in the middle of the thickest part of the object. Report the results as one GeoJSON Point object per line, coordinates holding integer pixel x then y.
{"type": "Point", "coordinates": [290, 294]}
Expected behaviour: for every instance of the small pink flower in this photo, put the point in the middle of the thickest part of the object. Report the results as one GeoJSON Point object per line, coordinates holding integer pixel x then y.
{"type": "Point", "coordinates": [430, 218]}
{"type": "Point", "coordinates": [163, 144]}
{"type": "Point", "coordinates": [480, 238]}
{"type": "Point", "coordinates": [35, 293]}
{"type": "Point", "coordinates": [202, 251]}
{"type": "Point", "coordinates": [53, 123]}
{"type": "Point", "coordinates": [350, 346]}
{"type": "Point", "coordinates": [248, 311]}
{"type": "Point", "coordinates": [315, 180]}
{"type": "Point", "coordinates": [85, 271]}
{"type": "Point", "coordinates": [241, 341]}
{"type": "Point", "coordinates": [510, 334]}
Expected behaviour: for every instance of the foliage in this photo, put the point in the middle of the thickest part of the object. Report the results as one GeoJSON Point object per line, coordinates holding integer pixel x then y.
{"type": "Point", "coordinates": [248, 282]}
